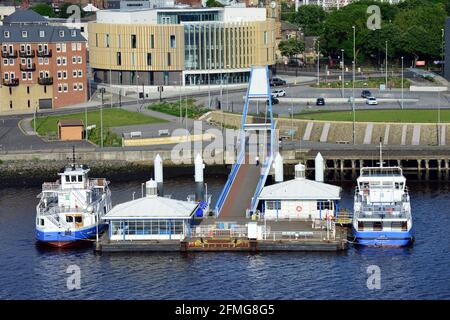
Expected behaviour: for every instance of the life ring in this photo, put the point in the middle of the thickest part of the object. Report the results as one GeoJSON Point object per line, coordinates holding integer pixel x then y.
{"type": "Point", "coordinates": [299, 208]}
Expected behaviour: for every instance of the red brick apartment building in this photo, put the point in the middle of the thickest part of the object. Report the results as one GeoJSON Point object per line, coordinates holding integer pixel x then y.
{"type": "Point", "coordinates": [42, 66]}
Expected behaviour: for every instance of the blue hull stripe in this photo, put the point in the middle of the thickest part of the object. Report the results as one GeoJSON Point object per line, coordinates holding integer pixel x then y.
{"type": "Point", "coordinates": [62, 236]}
{"type": "Point", "coordinates": [382, 238]}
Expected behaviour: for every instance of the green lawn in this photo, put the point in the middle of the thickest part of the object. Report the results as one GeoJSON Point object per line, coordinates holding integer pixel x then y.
{"type": "Point", "coordinates": [47, 126]}
{"type": "Point", "coordinates": [173, 108]}
{"type": "Point", "coordinates": [381, 115]}
{"type": "Point", "coordinates": [393, 82]}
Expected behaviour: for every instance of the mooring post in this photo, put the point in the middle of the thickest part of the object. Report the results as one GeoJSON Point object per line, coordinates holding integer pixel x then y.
{"type": "Point", "coordinates": [353, 169]}
{"type": "Point", "coordinates": [427, 169]}
{"type": "Point", "coordinates": [419, 169]}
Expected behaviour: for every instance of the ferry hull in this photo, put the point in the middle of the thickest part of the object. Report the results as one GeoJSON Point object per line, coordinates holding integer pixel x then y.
{"type": "Point", "coordinates": [383, 239]}
{"type": "Point", "coordinates": [68, 239]}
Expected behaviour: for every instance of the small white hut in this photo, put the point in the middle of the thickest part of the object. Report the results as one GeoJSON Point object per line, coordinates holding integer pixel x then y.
{"type": "Point", "coordinates": [299, 198]}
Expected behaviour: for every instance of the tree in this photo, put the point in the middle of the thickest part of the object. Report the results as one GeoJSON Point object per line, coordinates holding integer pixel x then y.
{"type": "Point", "coordinates": [310, 18]}
{"type": "Point", "coordinates": [213, 4]}
{"type": "Point", "coordinates": [290, 47]}
{"type": "Point", "coordinates": [43, 9]}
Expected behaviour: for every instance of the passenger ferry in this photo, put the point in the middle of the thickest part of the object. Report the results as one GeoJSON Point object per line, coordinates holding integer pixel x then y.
{"type": "Point", "coordinates": [382, 209]}
{"type": "Point", "coordinates": [70, 209]}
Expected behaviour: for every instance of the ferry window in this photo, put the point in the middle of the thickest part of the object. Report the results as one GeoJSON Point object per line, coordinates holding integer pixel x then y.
{"type": "Point", "coordinates": [397, 186]}
{"type": "Point", "coordinates": [42, 222]}
{"type": "Point", "coordinates": [324, 205]}
{"type": "Point", "coordinates": [69, 219]}
{"type": "Point", "coordinates": [80, 178]}
{"type": "Point", "coordinates": [78, 219]}
{"type": "Point", "coordinates": [67, 179]}
{"type": "Point", "coordinates": [73, 178]}
{"type": "Point", "coordinates": [377, 226]}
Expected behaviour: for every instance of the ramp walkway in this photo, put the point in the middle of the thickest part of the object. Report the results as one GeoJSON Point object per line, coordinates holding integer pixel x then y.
{"type": "Point", "coordinates": [246, 179]}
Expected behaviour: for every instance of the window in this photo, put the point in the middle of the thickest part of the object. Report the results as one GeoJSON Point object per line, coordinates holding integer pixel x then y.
{"type": "Point", "coordinates": [59, 74]}
{"type": "Point", "coordinates": [80, 178]}
{"type": "Point", "coordinates": [22, 48]}
{"type": "Point", "coordinates": [61, 33]}
{"type": "Point", "coordinates": [10, 104]}
{"type": "Point", "coordinates": [78, 219]}
{"type": "Point", "coordinates": [73, 33]}
{"type": "Point", "coordinates": [273, 205]}
{"type": "Point", "coordinates": [45, 60]}
{"type": "Point", "coordinates": [58, 47]}
{"type": "Point", "coordinates": [30, 75]}
{"type": "Point", "coordinates": [107, 40]}
{"type": "Point", "coordinates": [66, 88]}
{"type": "Point", "coordinates": [11, 62]}
{"type": "Point", "coordinates": [80, 86]}
{"type": "Point", "coordinates": [152, 41]}
{"type": "Point", "coordinates": [63, 47]}
{"type": "Point", "coordinates": [75, 87]}
{"type": "Point", "coordinates": [40, 60]}
{"type": "Point", "coordinates": [6, 76]}
{"type": "Point", "coordinates": [79, 46]}
{"type": "Point", "coordinates": [28, 90]}
{"type": "Point", "coordinates": [24, 76]}
{"type": "Point", "coordinates": [24, 34]}
{"type": "Point", "coordinates": [133, 41]}
{"type": "Point", "coordinates": [80, 73]}
{"type": "Point", "coordinates": [119, 58]}
{"type": "Point", "coordinates": [69, 219]}
{"type": "Point", "coordinates": [23, 61]}
{"type": "Point", "coordinates": [41, 33]}
{"type": "Point", "coordinates": [5, 62]}
{"type": "Point", "coordinates": [74, 73]}
{"type": "Point", "coordinates": [168, 59]}
{"type": "Point", "coordinates": [172, 41]}
{"type": "Point", "coordinates": [64, 74]}
{"type": "Point", "coordinates": [64, 61]}
{"type": "Point", "coordinates": [79, 59]}
{"type": "Point", "coordinates": [67, 179]}
{"type": "Point", "coordinates": [74, 59]}
{"type": "Point", "coordinates": [324, 205]}
{"type": "Point", "coordinates": [6, 34]}
{"type": "Point", "coordinates": [60, 90]}
{"type": "Point", "coordinates": [74, 46]}
{"type": "Point", "coordinates": [58, 61]}
{"type": "Point", "coordinates": [29, 104]}
{"type": "Point", "coordinates": [149, 59]}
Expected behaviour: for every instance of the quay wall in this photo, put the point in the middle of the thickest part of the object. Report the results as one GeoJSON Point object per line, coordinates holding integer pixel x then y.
{"type": "Point", "coordinates": [391, 133]}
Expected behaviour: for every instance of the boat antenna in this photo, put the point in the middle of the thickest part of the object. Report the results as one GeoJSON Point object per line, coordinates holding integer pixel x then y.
{"type": "Point", "coordinates": [73, 156]}
{"type": "Point", "coordinates": [381, 154]}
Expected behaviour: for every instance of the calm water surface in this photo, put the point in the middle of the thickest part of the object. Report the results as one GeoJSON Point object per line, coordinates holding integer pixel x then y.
{"type": "Point", "coordinates": [420, 272]}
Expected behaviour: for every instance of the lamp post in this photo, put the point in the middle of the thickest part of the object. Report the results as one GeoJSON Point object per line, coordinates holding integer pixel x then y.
{"type": "Point", "coordinates": [442, 52]}
{"type": "Point", "coordinates": [402, 84]}
{"type": "Point", "coordinates": [353, 89]}
{"type": "Point", "coordinates": [386, 67]}
{"type": "Point", "coordinates": [102, 90]}
{"type": "Point", "coordinates": [342, 58]}
{"type": "Point", "coordinates": [318, 61]}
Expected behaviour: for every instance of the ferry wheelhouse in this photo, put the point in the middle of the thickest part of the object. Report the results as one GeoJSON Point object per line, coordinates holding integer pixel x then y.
{"type": "Point", "coordinates": [382, 209]}
{"type": "Point", "coordinates": [71, 208]}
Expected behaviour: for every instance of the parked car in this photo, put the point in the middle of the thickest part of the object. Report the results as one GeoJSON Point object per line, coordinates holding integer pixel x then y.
{"type": "Point", "coordinates": [277, 82]}
{"type": "Point", "coordinates": [365, 94]}
{"type": "Point", "coordinates": [274, 100]}
{"type": "Point", "coordinates": [320, 102]}
{"type": "Point", "coordinates": [372, 101]}
{"type": "Point", "coordinates": [278, 93]}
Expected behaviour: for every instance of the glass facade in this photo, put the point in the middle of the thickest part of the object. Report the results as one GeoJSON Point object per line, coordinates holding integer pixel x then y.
{"type": "Point", "coordinates": [216, 78]}
{"type": "Point", "coordinates": [166, 228]}
{"type": "Point", "coordinates": [178, 17]}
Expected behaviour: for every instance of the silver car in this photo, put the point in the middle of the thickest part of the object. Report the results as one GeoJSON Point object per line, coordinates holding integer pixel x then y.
{"type": "Point", "coordinates": [278, 93]}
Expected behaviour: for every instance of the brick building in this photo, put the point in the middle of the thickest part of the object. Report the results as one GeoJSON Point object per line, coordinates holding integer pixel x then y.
{"type": "Point", "coordinates": [42, 66]}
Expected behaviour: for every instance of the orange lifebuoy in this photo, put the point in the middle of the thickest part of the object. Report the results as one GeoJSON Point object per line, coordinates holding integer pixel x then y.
{"type": "Point", "coordinates": [299, 208]}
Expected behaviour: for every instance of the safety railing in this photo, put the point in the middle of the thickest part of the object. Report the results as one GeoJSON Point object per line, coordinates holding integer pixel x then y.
{"type": "Point", "coordinates": [211, 231]}
{"type": "Point", "coordinates": [227, 187]}
{"type": "Point", "coordinates": [301, 235]}
{"type": "Point", "coordinates": [261, 182]}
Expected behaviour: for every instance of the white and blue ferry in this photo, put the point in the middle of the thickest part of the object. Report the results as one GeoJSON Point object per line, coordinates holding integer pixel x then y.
{"type": "Point", "coordinates": [382, 209]}
{"type": "Point", "coordinates": [70, 209]}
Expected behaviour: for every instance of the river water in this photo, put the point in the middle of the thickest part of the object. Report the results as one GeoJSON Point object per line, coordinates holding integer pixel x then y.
{"type": "Point", "coordinates": [32, 272]}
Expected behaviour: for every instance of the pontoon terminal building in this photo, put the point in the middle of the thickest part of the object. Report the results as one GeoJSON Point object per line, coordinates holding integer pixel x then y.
{"type": "Point", "coordinates": [173, 46]}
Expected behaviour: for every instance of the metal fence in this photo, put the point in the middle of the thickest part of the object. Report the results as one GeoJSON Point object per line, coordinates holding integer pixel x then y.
{"type": "Point", "coordinates": [301, 235]}
{"type": "Point", "coordinates": [211, 231]}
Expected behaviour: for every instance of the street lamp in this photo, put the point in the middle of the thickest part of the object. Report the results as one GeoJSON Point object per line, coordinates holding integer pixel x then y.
{"type": "Point", "coordinates": [442, 52]}
{"type": "Point", "coordinates": [318, 61]}
{"type": "Point", "coordinates": [402, 83]}
{"type": "Point", "coordinates": [102, 90]}
{"type": "Point", "coordinates": [386, 67]}
{"type": "Point", "coordinates": [342, 58]}
{"type": "Point", "coordinates": [353, 89]}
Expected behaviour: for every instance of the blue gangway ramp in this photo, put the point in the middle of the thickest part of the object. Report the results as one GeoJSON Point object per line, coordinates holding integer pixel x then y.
{"type": "Point", "coordinates": [257, 139]}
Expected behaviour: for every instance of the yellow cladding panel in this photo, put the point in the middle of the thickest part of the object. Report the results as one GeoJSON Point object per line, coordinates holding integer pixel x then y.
{"type": "Point", "coordinates": [119, 37]}
{"type": "Point", "coordinates": [245, 44]}
{"type": "Point", "coordinates": [20, 96]}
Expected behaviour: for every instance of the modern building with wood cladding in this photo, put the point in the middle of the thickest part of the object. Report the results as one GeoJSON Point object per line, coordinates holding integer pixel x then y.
{"type": "Point", "coordinates": [42, 66]}
{"type": "Point", "coordinates": [173, 46]}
